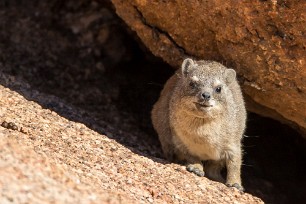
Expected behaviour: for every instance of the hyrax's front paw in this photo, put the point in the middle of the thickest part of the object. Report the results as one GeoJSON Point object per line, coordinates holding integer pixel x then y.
{"type": "Point", "coordinates": [236, 185]}
{"type": "Point", "coordinates": [196, 168]}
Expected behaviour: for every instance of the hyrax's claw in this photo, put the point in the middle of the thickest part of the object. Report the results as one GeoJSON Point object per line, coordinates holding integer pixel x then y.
{"type": "Point", "coordinates": [198, 172]}
{"type": "Point", "coordinates": [195, 170]}
{"type": "Point", "coordinates": [236, 185]}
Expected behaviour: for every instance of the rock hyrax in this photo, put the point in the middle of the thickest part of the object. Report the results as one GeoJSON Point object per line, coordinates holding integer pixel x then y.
{"type": "Point", "coordinates": [200, 117]}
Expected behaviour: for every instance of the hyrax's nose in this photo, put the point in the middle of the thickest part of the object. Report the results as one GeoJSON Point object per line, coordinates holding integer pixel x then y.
{"type": "Point", "coordinates": [206, 96]}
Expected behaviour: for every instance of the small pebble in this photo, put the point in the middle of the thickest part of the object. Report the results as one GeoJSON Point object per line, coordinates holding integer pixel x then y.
{"type": "Point", "coordinates": [4, 124]}
{"type": "Point", "coordinates": [14, 127]}
{"type": "Point", "coordinates": [23, 130]}
{"type": "Point", "coordinates": [10, 125]}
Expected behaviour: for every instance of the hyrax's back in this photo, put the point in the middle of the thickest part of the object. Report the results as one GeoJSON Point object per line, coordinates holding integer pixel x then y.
{"type": "Point", "coordinates": [200, 115]}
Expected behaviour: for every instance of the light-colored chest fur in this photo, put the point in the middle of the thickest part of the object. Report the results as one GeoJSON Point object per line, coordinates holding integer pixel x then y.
{"type": "Point", "coordinates": [201, 138]}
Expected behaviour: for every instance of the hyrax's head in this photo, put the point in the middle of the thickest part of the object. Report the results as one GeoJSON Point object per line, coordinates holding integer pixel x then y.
{"type": "Point", "coordinates": [206, 87]}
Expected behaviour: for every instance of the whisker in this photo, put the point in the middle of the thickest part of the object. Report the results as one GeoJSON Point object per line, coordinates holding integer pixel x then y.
{"type": "Point", "coordinates": [247, 165]}
{"type": "Point", "coordinates": [250, 135]}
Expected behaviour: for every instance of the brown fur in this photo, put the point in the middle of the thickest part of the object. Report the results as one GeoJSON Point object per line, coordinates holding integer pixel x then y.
{"type": "Point", "coordinates": [193, 128]}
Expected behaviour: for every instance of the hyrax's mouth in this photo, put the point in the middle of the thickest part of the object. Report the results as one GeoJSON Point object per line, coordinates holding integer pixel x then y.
{"type": "Point", "coordinates": [203, 105]}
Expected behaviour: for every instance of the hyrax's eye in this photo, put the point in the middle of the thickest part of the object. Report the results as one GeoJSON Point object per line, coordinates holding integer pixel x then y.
{"type": "Point", "coordinates": [218, 89]}
{"type": "Point", "coordinates": [192, 84]}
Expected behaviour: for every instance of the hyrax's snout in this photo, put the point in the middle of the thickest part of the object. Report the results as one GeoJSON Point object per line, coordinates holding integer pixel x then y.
{"type": "Point", "coordinates": [205, 96]}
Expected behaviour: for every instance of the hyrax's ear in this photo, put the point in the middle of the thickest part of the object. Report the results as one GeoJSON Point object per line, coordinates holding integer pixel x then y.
{"type": "Point", "coordinates": [187, 65]}
{"type": "Point", "coordinates": [230, 76]}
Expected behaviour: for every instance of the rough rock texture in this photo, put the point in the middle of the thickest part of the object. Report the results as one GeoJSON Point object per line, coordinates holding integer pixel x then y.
{"type": "Point", "coordinates": [104, 83]}
{"type": "Point", "coordinates": [263, 40]}
{"type": "Point", "coordinates": [50, 159]}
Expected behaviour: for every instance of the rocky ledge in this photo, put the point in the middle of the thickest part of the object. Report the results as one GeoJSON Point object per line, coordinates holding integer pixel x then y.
{"type": "Point", "coordinates": [48, 156]}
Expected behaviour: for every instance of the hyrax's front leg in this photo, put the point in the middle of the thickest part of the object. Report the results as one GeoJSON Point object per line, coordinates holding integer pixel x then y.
{"type": "Point", "coordinates": [196, 167]}
{"type": "Point", "coordinates": [193, 164]}
{"type": "Point", "coordinates": [233, 165]}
